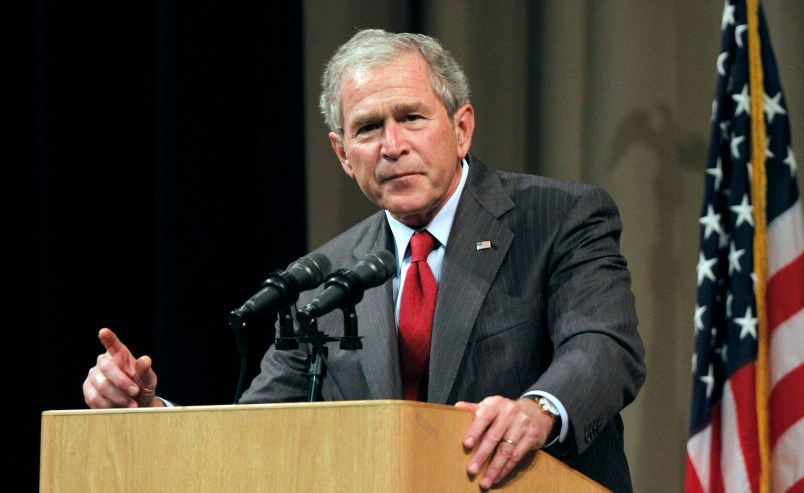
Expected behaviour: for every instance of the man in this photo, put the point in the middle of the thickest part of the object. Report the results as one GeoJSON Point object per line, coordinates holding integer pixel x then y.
{"type": "Point", "coordinates": [534, 327]}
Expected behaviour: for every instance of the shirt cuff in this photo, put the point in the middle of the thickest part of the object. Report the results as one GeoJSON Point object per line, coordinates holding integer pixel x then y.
{"type": "Point", "coordinates": [562, 434]}
{"type": "Point", "coordinates": [170, 404]}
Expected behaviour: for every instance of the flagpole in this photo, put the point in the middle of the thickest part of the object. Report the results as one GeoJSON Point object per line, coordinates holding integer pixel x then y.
{"type": "Point", "coordinates": [759, 200]}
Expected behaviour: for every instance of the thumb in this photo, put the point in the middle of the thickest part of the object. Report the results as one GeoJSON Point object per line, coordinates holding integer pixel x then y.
{"type": "Point", "coordinates": [146, 379]}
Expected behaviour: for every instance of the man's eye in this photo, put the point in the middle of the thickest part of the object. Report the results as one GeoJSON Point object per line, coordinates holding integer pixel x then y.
{"type": "Point", "coordinates": [368, 128]}
{"type": "Point", "coordinates": [411, 118]}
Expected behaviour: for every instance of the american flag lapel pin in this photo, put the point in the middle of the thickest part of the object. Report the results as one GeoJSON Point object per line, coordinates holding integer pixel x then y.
{"type": "Point", "coordinates": [483, 245]}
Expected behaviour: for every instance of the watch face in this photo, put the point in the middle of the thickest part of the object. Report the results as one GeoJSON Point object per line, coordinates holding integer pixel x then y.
{"type": "Point", "coordinates": [548, 406]}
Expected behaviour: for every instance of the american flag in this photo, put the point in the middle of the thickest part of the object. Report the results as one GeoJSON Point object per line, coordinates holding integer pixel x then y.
{"type": "Point", "coordinates": [747, 420]}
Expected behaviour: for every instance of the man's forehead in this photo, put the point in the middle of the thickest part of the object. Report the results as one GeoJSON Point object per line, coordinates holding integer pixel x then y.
{"type": "Point", "coordinates": [362, 73]}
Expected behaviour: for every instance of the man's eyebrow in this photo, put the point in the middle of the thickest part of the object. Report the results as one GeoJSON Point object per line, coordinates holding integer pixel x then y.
{"type": "Point", "coordinates": [405, 108]}
{"type": "Point", "coordinates": [363, 118]}
{"type": "Point", "coordinates": [367, 117]}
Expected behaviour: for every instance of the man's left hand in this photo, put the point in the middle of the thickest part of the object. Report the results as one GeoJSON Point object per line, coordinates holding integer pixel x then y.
{"type": "Point", "coordinates": [504, 432]}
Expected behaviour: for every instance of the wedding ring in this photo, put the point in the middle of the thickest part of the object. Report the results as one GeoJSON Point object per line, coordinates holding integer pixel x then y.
{"type": "Point", "coordinates": [508, 441]}
{"type": "Point", "coordinates": [100, 378]}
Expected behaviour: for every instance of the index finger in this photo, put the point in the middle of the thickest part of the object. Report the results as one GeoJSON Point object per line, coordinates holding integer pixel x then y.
{"type": "Point", "coordinates": [484, 416]}
{"type": "Point", "coordinates": [111, 342]}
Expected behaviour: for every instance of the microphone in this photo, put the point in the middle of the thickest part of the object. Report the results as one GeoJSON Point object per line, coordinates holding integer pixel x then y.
{"type": "Point", "coordinates": [282, 288]}
{"type": "Point", "coordinates": [345, 287]}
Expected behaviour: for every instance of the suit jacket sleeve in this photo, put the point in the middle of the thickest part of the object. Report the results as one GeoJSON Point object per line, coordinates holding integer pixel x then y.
{"type": "Point", "coordinates": [598, 362]}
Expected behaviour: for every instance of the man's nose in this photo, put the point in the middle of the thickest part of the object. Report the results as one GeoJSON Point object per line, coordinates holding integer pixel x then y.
{"type": "Point", "coordinates": [394, 143]}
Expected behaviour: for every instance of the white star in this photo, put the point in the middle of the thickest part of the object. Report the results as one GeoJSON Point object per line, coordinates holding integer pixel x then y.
{"type": "Point", "coordinates": [710, 222]}
{"type": "Point", "coordinates": [772, 106]}
{"type": "Point", "coordinates": [743, 101]}
{"type": "Point", "coordinates": [736, 140]}
{"type": "Point", "coordinates": [723, 353]}
{"type": "Point", "coordinates": [699, 312]}
{"type": "Point", "coordinates": [768, 153]}
{"type": "Point", "coordinates": [744, 212]}
{"type": "Point", "coordinates": [709, 380]}
{"type": "Point", "coordinates": [729, 300]}
{"type": "Point", "coordinates": [734, 258]}
{"type": "Point", "coordinates": [717, 172]}
{"type": "Point", "coordinates": [705, 268]}
{"type": "Point", "coordinates": [723, 240]}
{"type": "Point", "coordinates": [724, 130]}
{"type": "Point", "coordinates": [721, 61]}
{"type": "Point", "coordinates": [790, 160]}
{"type": "Point", "coordinates": [728, 16]}
{"type": "Point", "coordinates": [738, 33]}
{"type": "Point", "coordinates": [748, 324]}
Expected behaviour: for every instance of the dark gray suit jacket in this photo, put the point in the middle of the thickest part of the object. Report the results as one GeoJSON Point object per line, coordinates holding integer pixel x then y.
{"type": "Point", "coordinates": [547, 307]}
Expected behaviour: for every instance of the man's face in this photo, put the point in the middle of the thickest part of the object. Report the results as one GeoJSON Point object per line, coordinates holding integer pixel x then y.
{"type": "Point", "coordinates": [398, 142]}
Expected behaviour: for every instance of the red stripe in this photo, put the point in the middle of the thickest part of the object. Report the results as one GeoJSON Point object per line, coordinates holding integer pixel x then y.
{"type": "Point", "coordinates": [798, 487]}
{"type": "Point", "coordinates": [786, 403]}
{"type": "Point", "coordinates": [785, 293]}
{"type": "Point", "coordinates": [692, 483]}
{"type": "Point", "coordinates": [743, 385]}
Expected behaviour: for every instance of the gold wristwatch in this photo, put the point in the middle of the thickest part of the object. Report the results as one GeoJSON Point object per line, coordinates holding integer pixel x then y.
{"type": "Point", "coordinates": [549, 409]}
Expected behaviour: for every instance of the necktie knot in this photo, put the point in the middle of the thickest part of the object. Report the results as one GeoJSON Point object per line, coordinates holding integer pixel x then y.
{"type": "Point", "coordinates": [421, 244]}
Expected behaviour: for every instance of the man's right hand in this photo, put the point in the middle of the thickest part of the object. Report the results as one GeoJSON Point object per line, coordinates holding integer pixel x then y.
{"type": "Point", "coordinates": [118, 379]}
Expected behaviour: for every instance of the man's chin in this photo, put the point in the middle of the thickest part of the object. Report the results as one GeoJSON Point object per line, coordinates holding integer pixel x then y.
{"type": "Point", "coordinates": [413, 215]}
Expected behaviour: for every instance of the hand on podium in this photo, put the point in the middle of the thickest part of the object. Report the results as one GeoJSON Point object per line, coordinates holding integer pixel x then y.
{"type": "Point", "coordinates": [504, 431]}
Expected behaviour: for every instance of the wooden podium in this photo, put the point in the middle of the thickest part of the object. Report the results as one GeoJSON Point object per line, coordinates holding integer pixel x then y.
{"type": "Point", "coordinates": [351, 446]}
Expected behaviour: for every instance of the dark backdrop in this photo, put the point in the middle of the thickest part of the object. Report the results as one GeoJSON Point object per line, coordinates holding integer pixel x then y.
{"type": "Point", "coordinates": [154, 175]}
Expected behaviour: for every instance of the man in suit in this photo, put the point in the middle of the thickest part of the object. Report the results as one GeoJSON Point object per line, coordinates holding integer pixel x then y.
{"type": "Point", "coordinates": [534, 328]}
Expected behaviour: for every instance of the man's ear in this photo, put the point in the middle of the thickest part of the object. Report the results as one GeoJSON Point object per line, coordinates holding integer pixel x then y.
{"type": "Point", "coordinates": [336, 140]}
{"type": "Point", "coordinates": [464, 128]}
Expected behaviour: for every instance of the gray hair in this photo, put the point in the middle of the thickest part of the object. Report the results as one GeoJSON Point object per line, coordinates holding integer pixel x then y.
{"type": "Point", "coordinates": [371, 48]}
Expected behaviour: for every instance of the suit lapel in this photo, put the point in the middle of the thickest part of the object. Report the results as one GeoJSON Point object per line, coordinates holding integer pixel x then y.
{"type": "Point", "coordinates": [379, 357]}
{"type": "Point", "coordinates": [467, 273]}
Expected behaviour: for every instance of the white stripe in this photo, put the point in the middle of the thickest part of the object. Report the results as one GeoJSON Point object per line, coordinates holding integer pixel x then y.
{"type": "Point", "coordinates": [788, 460]}
{"type": "Point", "coordinates": [699, 451]}
{"type": "Point", "coordinates": [787, 348]}
{"type": "Point", "coordinates": [732, 461]}
{"type": "Point", "coordinates": [785, 238]}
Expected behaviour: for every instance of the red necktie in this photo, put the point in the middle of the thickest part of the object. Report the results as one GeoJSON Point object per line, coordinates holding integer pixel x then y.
{"type": "Point", "coordinates": [416, 317]}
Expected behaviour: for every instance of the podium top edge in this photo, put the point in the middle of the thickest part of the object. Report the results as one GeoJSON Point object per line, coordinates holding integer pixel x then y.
{"type": "Point", "coordinates": [251, 407]}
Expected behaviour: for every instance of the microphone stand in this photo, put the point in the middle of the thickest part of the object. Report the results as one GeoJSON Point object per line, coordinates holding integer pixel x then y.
{"type": "Point", "coordinates": [318, 349]}
{"type": "Point", "coordinates": [239, 326]}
